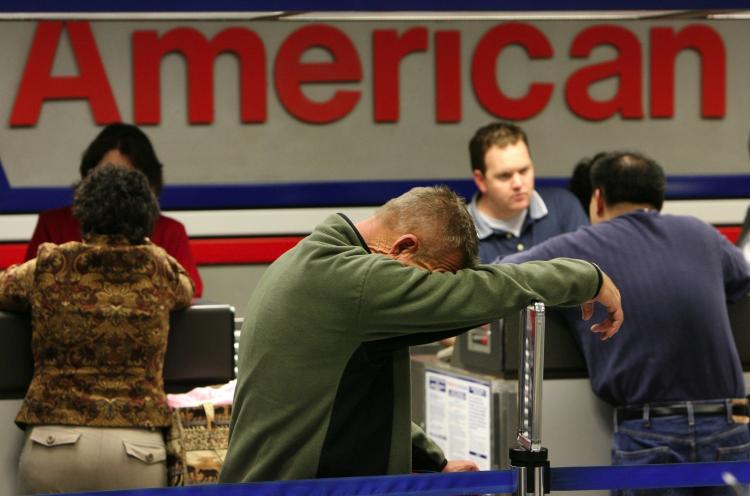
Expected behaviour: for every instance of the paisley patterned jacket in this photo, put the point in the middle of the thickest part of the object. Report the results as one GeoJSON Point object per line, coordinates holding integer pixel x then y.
{"type": "Point", "coordinates": [100, 318]}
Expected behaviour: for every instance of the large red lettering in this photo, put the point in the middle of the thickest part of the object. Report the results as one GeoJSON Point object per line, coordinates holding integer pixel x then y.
{"type": "Point", "coordinates": [290, 73]}
{"type": "Point", "coordinates": [38, 84]}
{"type": "Point", "coordinates": [448, 76]}
{"type": "Point", "coordinates": [484, 63]}
{"type": "Point", "coordinates": [626, 66]}
{"type": "Point", "coordinates": [388, 50]}
{"type": "Point", "coordinates": [665, 46]}
{"type": "Point", "coordinates": [200, 54]}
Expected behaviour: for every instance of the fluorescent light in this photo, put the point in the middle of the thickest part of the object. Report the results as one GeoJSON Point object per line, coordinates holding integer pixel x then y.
{"type": "Point", "coordinates": [743, 14]}
{"type": "Point", "coordinates": [324, 16]}
{"type": "Point", "coordinates": [474, 15]}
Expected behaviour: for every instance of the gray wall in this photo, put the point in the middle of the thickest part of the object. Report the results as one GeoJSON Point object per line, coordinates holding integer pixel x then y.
{"type": "Point", "coordinates": [231, 284]}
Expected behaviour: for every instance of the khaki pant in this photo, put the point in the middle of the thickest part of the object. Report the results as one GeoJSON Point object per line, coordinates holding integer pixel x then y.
{"type": "Point", "coordinates": [61, 458]}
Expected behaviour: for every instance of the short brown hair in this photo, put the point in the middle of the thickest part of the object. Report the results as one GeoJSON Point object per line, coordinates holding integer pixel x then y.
{"type": "Point", "coordinates": [437, 215]}
{"type": "Point", "coordinates": [500, 134]}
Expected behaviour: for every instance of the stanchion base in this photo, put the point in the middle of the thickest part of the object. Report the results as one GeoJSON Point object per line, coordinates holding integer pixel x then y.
{"type": "Point", "coordinates": [530, 460]}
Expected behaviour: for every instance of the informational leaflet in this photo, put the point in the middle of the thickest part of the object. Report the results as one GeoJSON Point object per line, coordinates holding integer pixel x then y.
{"type": "Point", "coordinates": [458, 417]}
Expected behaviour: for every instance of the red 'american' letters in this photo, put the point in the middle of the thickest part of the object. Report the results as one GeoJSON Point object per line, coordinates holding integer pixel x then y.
{"type": "Point", "coordinates": [390, 47]}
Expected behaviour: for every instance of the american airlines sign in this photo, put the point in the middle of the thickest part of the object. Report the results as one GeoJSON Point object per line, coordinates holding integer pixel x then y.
{"type": "Point", "coordinates": [389, 48]}
{"type": "Point", "coordinates": [278, 102]}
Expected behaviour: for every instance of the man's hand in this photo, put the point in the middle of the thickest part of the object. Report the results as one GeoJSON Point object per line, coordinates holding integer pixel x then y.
{"type": "Point", "coordinates": [461, 466]}
{"type": "Point", "coordinates": [609, 296]}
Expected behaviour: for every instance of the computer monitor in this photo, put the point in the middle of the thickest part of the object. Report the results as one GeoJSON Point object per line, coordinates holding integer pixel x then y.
{"type": "Point", "coordinates": [200, 349]}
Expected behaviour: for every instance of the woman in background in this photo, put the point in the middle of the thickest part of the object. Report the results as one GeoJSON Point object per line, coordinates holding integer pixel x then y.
{"type": "Point", "coordinates": [100, 309]}
{"type": "Point", "coordinates": [126, 145]}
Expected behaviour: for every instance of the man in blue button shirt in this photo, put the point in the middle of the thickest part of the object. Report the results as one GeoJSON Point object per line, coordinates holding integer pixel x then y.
{"type": "Point", "coordinates": [674, 374]}
{"type": "Point", "coordinates": [509, 214]}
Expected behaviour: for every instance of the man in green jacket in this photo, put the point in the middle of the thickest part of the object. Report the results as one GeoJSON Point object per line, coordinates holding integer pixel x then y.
{"type": "Point", "coordinates": [323, 387]}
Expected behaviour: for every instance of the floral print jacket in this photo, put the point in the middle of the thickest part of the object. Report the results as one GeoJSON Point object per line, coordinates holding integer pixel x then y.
{"type": "Point", "coordinates": [100, 318]}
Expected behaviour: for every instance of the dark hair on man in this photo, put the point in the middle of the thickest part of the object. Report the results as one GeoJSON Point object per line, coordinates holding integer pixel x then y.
{"type": "Point", "coordinates": [580, 181]}
{"type": "Point", "coordinates": [500, 134]}
{"type": "Point", "coordinates": [629, 177]}
{"type": "Point", "coordinates": [439, 217]}
{"type": "Point", "coordinates": [115, 200]}
{"type": "Point", "coordinates": [130, 142]}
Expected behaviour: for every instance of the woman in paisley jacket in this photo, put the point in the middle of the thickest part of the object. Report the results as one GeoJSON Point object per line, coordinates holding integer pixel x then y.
{"type": "Point", "coordinates": [120, 144]}
{"type": "Point", "coordinates": [95, 407]}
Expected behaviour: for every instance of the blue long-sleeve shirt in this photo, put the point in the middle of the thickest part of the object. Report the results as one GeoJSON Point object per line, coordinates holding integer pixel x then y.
{"type": "Point", "coordinates": [675, 275]}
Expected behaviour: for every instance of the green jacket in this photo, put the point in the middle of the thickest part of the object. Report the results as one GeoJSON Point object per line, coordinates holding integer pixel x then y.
{"type": "Point", "coordinates": [323, 387]}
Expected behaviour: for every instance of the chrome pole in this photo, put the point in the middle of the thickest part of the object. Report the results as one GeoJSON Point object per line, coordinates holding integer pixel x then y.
{"type": "Point", "coordinates": [530, 457]}
{"type": "Point", "coordinates": [530, 376]}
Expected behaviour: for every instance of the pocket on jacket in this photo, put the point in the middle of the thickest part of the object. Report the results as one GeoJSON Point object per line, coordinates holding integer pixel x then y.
{"type": "Point", "coordinates": [53, 436]}
{"type": "Point", "coordinates": [148, 453]}
{"type": "Point", "coordinates": [659, 454]}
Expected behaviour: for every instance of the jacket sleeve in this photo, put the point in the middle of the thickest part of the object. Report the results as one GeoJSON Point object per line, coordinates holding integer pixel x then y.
{"type": "Point", "coordinates": [426, 455]}
{"type": "Point", "coordinates": [180, 283]}
{"type": "Point", "coordinates": [15, 286]}
{"type": "Point", "coordinates": [176, 242]}
{"type": "Point", "coordinates": [398, 299]}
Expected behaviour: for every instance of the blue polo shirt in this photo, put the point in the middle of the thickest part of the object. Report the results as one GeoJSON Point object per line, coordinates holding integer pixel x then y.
{"type": "Point", "coordinates": [551, 212]}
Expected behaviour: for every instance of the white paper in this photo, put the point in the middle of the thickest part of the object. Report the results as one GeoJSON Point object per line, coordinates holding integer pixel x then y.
{"type": "Point", "coordinates": [457, 417]}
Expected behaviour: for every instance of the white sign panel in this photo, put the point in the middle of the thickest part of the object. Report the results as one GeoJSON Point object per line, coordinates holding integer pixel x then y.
{"type": "Point", "coordinates": [458, 417]}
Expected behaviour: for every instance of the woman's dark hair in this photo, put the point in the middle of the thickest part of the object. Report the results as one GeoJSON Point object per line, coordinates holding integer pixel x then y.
{"type": "Point", "coordinates": [580, 181]}
{"type": "Point", "coordinates": [116, 200]}
{"type": "Point", "coordinates": [130, 142]}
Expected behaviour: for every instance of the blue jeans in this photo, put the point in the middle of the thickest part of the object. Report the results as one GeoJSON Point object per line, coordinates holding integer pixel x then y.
{"type": "Point", "coordinates": [675, 439]}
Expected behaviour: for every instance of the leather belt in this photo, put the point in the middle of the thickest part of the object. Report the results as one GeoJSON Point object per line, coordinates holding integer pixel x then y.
{"type": "Point", "coordinates": [737, 408]}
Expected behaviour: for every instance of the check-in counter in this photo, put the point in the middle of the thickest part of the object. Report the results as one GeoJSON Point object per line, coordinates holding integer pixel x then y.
{"type": "Point", "coordinates": [200, 352]}
{"type": "Point", "coordinates": [577, 426]}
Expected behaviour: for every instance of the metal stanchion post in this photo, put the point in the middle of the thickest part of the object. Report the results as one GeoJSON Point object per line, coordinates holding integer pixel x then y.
{"type": "Point", "coordinates": [530, 456]}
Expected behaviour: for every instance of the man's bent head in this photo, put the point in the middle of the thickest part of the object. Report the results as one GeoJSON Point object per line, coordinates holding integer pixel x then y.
{"type": "Point", "coordinates": [434, 228]}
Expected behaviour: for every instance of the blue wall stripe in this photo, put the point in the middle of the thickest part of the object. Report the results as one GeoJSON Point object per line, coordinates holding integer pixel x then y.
{"type": "Point", "coordinates": [331, 193]}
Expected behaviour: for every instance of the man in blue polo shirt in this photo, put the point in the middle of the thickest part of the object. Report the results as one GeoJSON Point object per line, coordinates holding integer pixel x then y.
{"type": "Point", "coordinates": [674, 374]}
{"type": "Point", "coordinates": [509, 214]}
